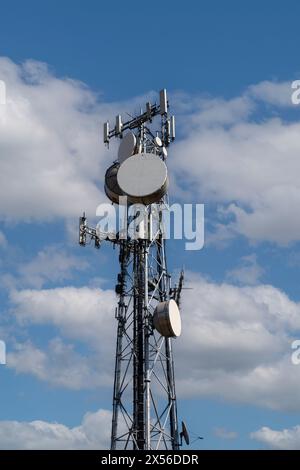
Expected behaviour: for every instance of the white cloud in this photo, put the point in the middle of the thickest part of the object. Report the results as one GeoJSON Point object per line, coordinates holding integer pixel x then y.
{"type": "Point", "coordinates": [236, 341]}
{"type": "Point", "coordinates": [223, 433]}
{"type": "Point", "coordinates": [92, 433]}
{"type": "Point", "coordinates": [84, 313]}
{"type": "Point", "coordinates": [54, 159]}
{"type": "Point", "coordinates": [59, 365]}
{"type": "Point", "coordinates": [287, 439]}
{"type": "Point", "coordinates": [249, 165]}
{"type": "Point", "coordinates": [213, 111]}
{"type": "Point", "coordinates": [274, 93]}
{"type": "Point", "coordinates": [3, 241]}
{"type": "Point", "coordinates": [52, 264]}
{"type": "Point", "coordinates": [248, 272]}
{"type": "Point", "coordinates": [50, 145]}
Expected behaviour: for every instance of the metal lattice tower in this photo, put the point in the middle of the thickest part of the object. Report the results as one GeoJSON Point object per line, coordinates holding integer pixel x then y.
{"type": "Point", "coordinates": [144, 398]}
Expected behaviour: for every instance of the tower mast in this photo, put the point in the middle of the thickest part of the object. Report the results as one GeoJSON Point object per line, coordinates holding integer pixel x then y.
{"type": "Point", "coordinates": [144, 413]}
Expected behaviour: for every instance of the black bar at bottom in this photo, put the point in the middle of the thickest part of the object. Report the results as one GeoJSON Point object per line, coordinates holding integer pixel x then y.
{"type": "Point", "coordinates": [138, 459]}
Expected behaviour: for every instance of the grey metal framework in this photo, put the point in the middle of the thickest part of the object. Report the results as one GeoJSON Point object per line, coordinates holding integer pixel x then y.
{"type": "Point", "coordinates": [144, 398]}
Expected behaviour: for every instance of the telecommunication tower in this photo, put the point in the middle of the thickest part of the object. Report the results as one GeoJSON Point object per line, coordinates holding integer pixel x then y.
{"type": "Point", "coordinates": [144, 413]}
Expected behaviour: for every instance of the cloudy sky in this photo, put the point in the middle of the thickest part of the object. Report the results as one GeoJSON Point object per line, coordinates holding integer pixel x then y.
{"type": "Point", "coordinates": [70, 65]}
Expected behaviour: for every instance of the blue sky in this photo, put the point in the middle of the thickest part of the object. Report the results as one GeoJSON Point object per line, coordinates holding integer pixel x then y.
{"type": "Point", "coordinates": [68, 66]}
{"type": "Point", "coordinates": [208, 46]}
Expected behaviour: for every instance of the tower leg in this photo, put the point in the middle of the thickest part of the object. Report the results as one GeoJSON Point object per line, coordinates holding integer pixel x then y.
{"type": "Point", "coordinates": [144, 404]}
{"type": "Point", "coordinates": [172, 395]}
{"type": "Point", "coordinates": [116, 393]}
{"type": "Point", "coordinates": [121, 317]}
{"type": "Point", "coordinates": [147, 359]}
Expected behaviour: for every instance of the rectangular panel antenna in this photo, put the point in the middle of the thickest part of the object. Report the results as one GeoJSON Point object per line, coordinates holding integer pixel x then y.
{"type": "Point", "coordinates": [172, 129]}
{"type": "Point", "coordinates": [118, 124]}
{"type": "Point", "coordinates": [106, 132]}
{"type": "Point", "coordinates": [148, 110]}
{"type": "Point", "coordinates": [168, 124]}
{"type": "Point", "coordinates": [163, 101]}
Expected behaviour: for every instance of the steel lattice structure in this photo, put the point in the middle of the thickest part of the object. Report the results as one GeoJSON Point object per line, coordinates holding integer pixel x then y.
{"type": "Point", "coordinates": [144, 398]}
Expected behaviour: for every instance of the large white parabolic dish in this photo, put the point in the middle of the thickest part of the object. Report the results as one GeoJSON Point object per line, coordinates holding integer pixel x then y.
{"type": "Point", "coordinates": [144, 178]}
{"type": "Point", "coordinates": [127, 147]}
{"type": "Point", "coordinates": [166, 319]}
